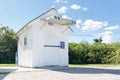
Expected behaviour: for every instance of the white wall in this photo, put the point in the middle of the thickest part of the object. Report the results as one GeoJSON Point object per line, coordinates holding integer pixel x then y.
{"type": "Point", "coordinates": [63, 36]}
{"type": "Point", "coordinates": [42, 36]}
{"type": "Point", "coordinates": [25, 51]}
{"type": "Point", "coordinates": [39, 40]}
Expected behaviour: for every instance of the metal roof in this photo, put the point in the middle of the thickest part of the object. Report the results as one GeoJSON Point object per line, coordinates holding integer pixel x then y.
{"type": "Point", "coordinates": [48, 19]}
{"type": "Point", "coordinates": [59, 20]}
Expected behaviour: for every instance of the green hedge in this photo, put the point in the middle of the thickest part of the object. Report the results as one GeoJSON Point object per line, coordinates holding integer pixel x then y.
{"type": "Point", "coordinates": [84, 53]}
{"type": "Point", "coordinates": [8, 45]}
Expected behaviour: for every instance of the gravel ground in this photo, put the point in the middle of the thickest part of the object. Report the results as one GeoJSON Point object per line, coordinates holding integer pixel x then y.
{"type": "Point", "coordinates": [63, 73]}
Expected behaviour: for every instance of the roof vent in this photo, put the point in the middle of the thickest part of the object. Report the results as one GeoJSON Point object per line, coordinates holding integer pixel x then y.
{"type": "Point", "coordinates": [56, 17]}
{"type": "Point", "coordinates": [50, 23]}
{"type": "Point", "coordinates": [59, 20]}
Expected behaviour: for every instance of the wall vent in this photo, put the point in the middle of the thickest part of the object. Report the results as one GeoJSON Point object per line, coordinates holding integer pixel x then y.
{"type": "Point", "coordinates": [50, 23]}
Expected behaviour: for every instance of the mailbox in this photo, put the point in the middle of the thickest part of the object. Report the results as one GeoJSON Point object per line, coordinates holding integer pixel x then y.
{"type": "Point", "coordinates": [62, 45]}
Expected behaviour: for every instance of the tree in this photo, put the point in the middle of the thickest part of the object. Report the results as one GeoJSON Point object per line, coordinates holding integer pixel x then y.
{"type": "Point", "coordinates": [8, 45]}
{"type": "Point", "coordinates": [84, 53]}
{"type": "Point", "coordinates": [98, 40]}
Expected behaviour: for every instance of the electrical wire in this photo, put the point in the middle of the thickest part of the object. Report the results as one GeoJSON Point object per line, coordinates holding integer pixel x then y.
{"type": "Point", "coordinates": [118, 21]}
{"type": "Point", "coordinates": [80, 35]}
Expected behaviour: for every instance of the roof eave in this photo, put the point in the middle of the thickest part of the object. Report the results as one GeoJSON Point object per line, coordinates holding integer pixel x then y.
{"type": "Point", "coordinates": [33, 20]}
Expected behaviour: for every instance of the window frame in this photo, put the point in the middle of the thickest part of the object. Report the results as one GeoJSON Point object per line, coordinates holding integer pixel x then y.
{"type": "Point", "coordinates": [25, 41]}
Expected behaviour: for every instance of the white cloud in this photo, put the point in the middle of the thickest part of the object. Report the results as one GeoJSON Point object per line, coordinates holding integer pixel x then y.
{"type": "Point", "coordinates": [75, 7]}
{"type": "Point", "coordinates": [106, 33]}
{"type": "Point", "coordinates": [66, 17]}
{"type": "Point", "coordinates": [112, 27]}
{"type": "Point", "coordinates": [93, 25]}
{"type": "Point", "coordinates": [84, 9]}
{"type": "Point", "coordinates": [61, 1]}
{"type": "Point", "coordinates": [106, 36]}
{"type": "Point", "coordinates": [107, 39]}
{"type": "Point", "coordinates": [62, 10]}
{"type": "Point", "coordinates": [78, 23]}
{"type": "Point", "coordinates": [57, 1]}
{"type": "Point", "coordinates": [53, 6]}
{"type": "Point", "coordinates": [1, 25]}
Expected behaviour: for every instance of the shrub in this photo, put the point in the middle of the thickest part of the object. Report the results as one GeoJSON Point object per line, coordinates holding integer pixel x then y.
{"type": "Point", "coordinates": [84, 53]}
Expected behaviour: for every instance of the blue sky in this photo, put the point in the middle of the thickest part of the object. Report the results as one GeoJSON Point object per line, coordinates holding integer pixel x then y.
{"type": "Point", "coordinates": [95, 18]}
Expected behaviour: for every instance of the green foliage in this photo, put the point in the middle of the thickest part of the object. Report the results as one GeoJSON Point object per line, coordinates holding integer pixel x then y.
{"type": "Point", "coordinates": [5, 65]}
{"type": "Point", "coordinates": [117, 46]}
{"type": "Point", "coordinates": [99, 40]}
{"type": "Point", "coordinates": [8, 45]}
{"type": "Point", "coordinates": [84, 53]}
{"type": "Point", "coordinates": [77, 51]}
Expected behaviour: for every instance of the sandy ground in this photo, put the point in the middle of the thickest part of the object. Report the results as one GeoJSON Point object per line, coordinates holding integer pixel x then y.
{"type": "Point", "coordinates": [61, 73]}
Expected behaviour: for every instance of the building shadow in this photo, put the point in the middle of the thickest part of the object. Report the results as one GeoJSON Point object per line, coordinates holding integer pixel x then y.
{"type": "Point", "coordinates": [4, 71]}
{"type": "Point", "coordinates": [71, 70]}
{"type": "Point", "coordinates": [84, 70]}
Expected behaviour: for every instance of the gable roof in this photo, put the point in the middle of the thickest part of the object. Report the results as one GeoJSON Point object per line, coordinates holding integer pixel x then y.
{"type": "Point", "coordinates": [25, 26]}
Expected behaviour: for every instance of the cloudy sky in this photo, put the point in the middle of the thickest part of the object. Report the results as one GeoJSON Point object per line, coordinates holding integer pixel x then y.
{"type": "Point", "coordinates": [94, 18]}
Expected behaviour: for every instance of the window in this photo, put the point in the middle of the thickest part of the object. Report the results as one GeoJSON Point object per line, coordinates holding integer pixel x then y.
{"type": "Point", "coordinates": [25, 41]}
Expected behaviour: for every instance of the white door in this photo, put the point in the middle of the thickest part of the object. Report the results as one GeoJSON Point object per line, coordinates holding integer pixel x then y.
{"type": "Point", "coordinates": [51, 56]}
{"type": "Point", "coordinates": [51, 49]}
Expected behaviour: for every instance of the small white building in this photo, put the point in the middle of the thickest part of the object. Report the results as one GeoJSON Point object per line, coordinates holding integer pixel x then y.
{"type": "Point", "coordinates": [44, 41]}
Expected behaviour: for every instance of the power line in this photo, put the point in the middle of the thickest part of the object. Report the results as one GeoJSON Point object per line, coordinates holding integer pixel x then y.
{"type": "Point", "coordinates": [116, 33]}
{"type": "Point", "coordinates": [110, 23]}
{"type": "Point", "coordinates": [80, 35]}
{"type": "Point", "coordinates": [118, 21]}
{"type": "Point", "coordinates": [90, 35]}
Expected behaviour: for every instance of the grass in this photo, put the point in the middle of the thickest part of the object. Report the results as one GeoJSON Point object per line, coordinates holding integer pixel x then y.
{"type": "Point", "coordinates": [4, 72]}
{"type": "Point", "coordinates": [5, 65]}
{"type": "Point", "coordinates": [96, 65]}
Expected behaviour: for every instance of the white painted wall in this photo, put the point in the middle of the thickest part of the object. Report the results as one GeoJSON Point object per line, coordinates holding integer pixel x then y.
{"type": "Point", "coordinates": [38, 42]}
{"type": "Point", "coordinates": [25, 51]}
{"type": "Point", "coordinates": [50, 35]}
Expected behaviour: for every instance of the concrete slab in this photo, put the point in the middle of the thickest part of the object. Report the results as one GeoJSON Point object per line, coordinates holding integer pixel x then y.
{"type": "Point", "coordinates": [60, 73]}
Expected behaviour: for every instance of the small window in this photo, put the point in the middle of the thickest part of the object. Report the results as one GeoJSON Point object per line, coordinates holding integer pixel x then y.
{"type": "Point", "coordinates": [25, 41]}
{"type": "Point", "coordinates": [58, 18]}
{"type": "Point", "coordinates": [55, 17]}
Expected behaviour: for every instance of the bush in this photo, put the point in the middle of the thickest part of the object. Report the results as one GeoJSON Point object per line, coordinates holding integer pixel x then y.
{"type": "Point", "coordinates": [84, 53]}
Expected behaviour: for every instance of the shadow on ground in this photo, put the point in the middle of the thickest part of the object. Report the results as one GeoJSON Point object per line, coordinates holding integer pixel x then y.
{"type": "Point", "coordinates": [84, 70]}
{"type": "Point", "coordinates": [71, 70]}
{"type": "Point", "coordinates": [4, 71]}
